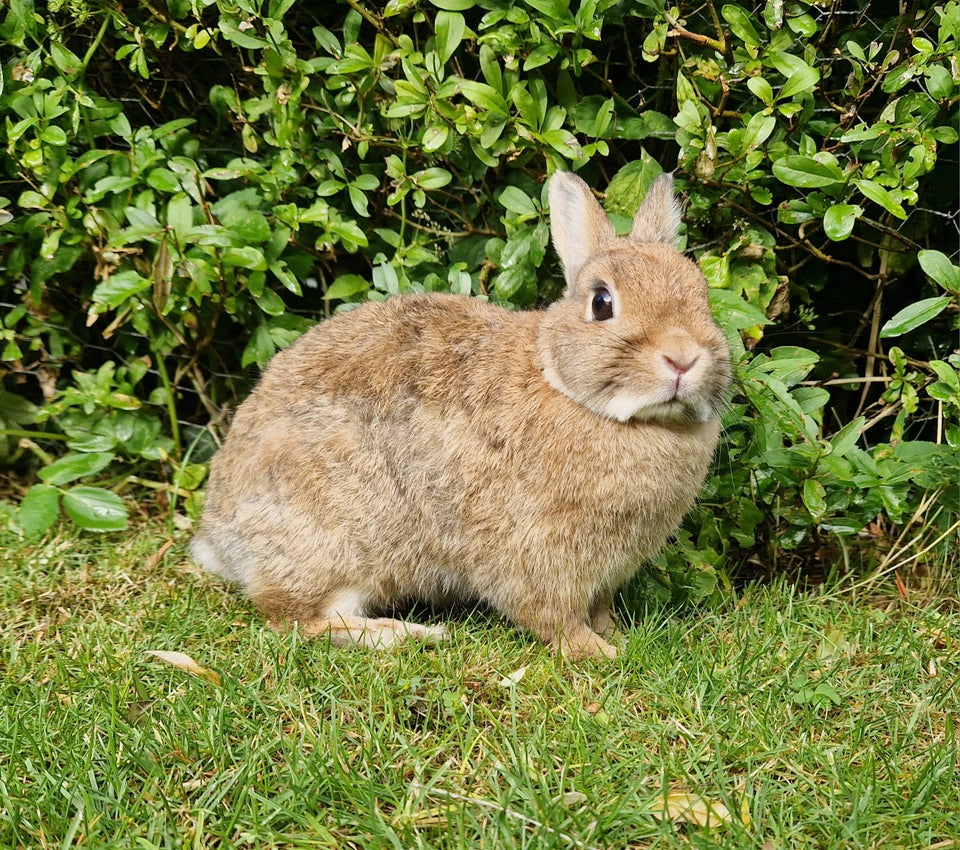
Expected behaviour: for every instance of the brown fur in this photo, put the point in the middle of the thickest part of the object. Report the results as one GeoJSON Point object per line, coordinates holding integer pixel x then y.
{"type": "Point", "coordinates": [440, 448]}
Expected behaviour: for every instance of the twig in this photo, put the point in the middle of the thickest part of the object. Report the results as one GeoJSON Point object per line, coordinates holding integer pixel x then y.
{"type": "Point", "coordinates": [29, 435]}
{"type": "Point", "coordinates": [886, 568]}
{"type": "Point", "coordinates": [919, 512]}
{"type": "Point", "coordinates": [678, 31]}
{"type": "Point", "coordinates": [879, 573]}
{"type": "Point", "coordinates": [873, 344]}
{"type": "Point", "coordinates": [832, 382]}
{"type": "Point", "coordinates": [889, 410]}
{"type": "Point", "coordinates": [372, 19]}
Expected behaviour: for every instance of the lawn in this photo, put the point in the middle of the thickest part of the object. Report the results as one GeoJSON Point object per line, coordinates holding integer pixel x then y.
{"type": "Point", "coordinates": [780, 719]}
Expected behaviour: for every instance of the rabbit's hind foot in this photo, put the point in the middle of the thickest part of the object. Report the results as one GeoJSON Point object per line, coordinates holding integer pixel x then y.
{"type": "Point", "coordinates": [378, 633]}
{"type": "Point", "coordinates": [338, 615]}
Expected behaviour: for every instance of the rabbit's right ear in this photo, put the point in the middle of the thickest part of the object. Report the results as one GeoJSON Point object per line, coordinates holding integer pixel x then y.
{"type": "Point", "coordinates": [578, 223]}
{"type": "Point", "coordinates": [658, 219]}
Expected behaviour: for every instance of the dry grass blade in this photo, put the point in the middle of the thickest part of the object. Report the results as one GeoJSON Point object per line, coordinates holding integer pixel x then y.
{"type": "Point", "coordinates": [513, 678]}
{"type": "Point", "coordinates": [510, 813]}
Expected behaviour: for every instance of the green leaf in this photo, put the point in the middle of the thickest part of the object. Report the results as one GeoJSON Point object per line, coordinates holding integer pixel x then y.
{"type": "Point", "coordinates": [799, 81]}
{"type": "Point", "coordinates": [485, 97]}
{"type": "Point", "coordinates": [557, 9]}
{"type": "Point", "coordinates": [248, 225]}
{"type": "Point", "coordinates": [109, 185]}
{"type": "Point", "coordinates": [64, 60]}
{"type": "Point", "coordinates": [120, 287]}
{"type": "Point", "coordinates": [790, 363]}
{"type": "Point", "coordinates": [939, 82]}
{"type": "Point", "coordinates": [838, 221]}
{"type": "Point", "coordinates": [564, 142]}
{"type": "Point", "coordinates": [804, 172]}
{"type": "Point", "coordinates": [271, 303]}
{"type": "Point", "coordinates": [17, 410]}
{"type": "Point", "coordinates": [449, 27]}
{"type": "Point", "coordinates": [180, 216]}
{"type": "Point", "coordinates": [38, 510]}
{"type": "Point", "coordinates": [803, 25]}
{"type": "Point", "coordinates": [846, 438]}
{"type": "Point", "coordinates": [517, 201]}
{"type": "Point", "coordinates": [540, 56]}
{"type": "Point", "coordinates": [490, 66]}
{"type": "Point", "coordinates": [55, 136]}
{"type": "Point", "coordinates": [761, 89]}
{"type": "Point", "coordinates": [733, 312]}
{"type": "Point", "coordinates": [435, 137]}
{"type": "Point", "coordinates": [163, 180]}
{"type": "Point", "coordinates": [95, 509]}
{"type": "Point", "coordinates": [741, 25]}
{"type": "Point", "coordinates": [630, 185]}
{"type": "Point", "coordinates": [814, 498]}
{"type": "Point", "coordinates": [73, 466]}
{"type": "Point", "coordinates": [876, 193]}
{"type": "Point", "coordinates": [758, 130]}
{"type": "Point", "coordinates": [795, 211]}
{"type": "Point", "coordinates": [242, 38]}
{"type": "Point", "coordinates": [259, 349]}
{"type": "Point", "coordinates": [914, 315]}
{"type": "Point", "coordinates": [246, 257]}
{"type": "Point", "coordinates": [800, 76]}
{"type": "Point", "coordinates": [650, 123]}
{"type": "Point", "coordinates": [939, 269]}
{"type": "Point", "coordinates": [433, 178]}
{"type": "Point", "coordinates": [947, 374]}
{"type": "Point", "coordinates": [286, 277]}
{"type": "Point", "coordinates": [346, 286]}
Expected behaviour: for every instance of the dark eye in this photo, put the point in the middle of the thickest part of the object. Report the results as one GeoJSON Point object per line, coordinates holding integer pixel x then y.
{"type": "Point", "coordinates": [602, 304]}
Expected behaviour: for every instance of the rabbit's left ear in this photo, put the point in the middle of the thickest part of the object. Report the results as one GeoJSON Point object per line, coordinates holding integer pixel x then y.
{"type": "Point", "coordinates": [578, 223]}
{"type": "Point", "coordinates": [658, 219]}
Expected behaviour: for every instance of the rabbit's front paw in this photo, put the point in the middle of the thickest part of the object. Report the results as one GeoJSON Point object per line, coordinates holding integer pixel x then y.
{"type": "Point", "coordinates": [602, 622]}
{"type": "Point", "coordinates": [583, 643]}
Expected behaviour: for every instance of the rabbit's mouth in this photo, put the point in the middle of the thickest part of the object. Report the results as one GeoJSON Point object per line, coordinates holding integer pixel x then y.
{"type": "Point", "coordinates": [626, 405]}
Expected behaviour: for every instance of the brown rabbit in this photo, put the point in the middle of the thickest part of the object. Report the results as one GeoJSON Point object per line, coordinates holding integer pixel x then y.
{"type": "Point", "coordinates": [440, 448]}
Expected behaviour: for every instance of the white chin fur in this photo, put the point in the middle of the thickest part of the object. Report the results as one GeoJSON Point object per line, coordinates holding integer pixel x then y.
{"type": "Point", "coordinates": [626, 405]}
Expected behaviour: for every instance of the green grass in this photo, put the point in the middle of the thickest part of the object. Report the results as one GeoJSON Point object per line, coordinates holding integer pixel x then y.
{"type": "Point", "coordinates": [817, 720]}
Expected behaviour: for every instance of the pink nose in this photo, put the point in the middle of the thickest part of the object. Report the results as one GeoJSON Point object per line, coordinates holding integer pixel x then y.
{"type": "Point", "coordinates": [680, 365]}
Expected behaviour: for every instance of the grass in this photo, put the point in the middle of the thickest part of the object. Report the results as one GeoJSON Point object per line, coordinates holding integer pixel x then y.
{"type": "Point", "coordinates": [811, 720]}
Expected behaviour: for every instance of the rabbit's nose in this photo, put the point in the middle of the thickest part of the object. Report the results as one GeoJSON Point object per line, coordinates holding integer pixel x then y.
{"type": "Point", "coordinates": [680, 363]}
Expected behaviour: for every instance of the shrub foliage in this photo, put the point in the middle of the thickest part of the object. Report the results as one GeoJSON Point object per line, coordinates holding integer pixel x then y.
{"type": "Point", "coordinates": [188, 186]}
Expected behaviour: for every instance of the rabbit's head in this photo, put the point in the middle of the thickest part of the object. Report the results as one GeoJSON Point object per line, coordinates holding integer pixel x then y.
{"type": "Point", "coordinates": [633, 337]}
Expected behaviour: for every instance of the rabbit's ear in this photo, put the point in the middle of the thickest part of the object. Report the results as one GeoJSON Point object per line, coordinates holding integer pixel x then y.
{"type": "Point", "coordinates": [578, 223]}
{"type": "Point", "coordinates": [658, 219]}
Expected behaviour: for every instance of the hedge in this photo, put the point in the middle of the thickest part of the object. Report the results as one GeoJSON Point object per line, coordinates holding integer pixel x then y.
{"type": "Point", "coordinates": [188, 186]}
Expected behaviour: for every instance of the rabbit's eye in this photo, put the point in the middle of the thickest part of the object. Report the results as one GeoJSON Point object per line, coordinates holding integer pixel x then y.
{"type": "Point", "coordinates": [602, 304]}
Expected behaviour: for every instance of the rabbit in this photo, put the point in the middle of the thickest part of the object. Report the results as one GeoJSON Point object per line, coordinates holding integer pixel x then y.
{"type": "Point", "coordinates": [440, 448]}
